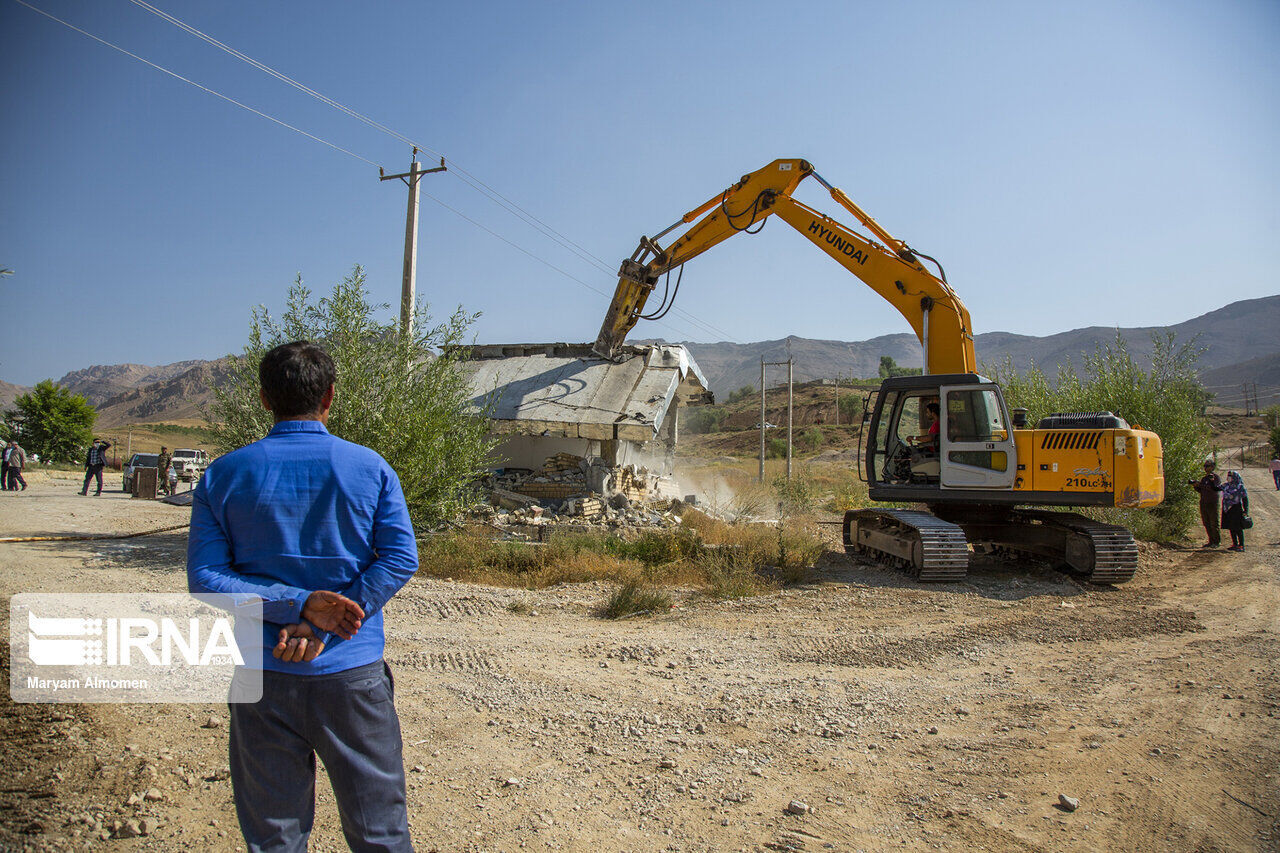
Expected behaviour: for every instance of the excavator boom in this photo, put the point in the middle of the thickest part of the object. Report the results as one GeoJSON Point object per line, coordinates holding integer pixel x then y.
{"type": "Point", "coordinates": [884, 263]}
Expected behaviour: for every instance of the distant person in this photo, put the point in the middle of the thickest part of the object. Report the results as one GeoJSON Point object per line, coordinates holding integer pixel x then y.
{"type": "Point", "coordinates": [162, 469]}
{"type": "Point", "coordinates": [17, 461]}
{"type": "Point", "coordinates": [4, 467]}
{"type": "Point", "coordinates": [1209, 486]}
{"type": "Point", "coordinates": [319, 529]}
{"type": "Point", "coordinates": [1235, 506]}
{"type": "Point", "coordinates": [171, 478]}
{"type": "Point", "coordinates": [94, 462]}
{"type": "Point", "coordinates": [1275, 469]}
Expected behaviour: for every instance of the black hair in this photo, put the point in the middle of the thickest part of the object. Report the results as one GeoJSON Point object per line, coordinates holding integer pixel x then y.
{"type": "Point", "coordinates": [295, 377]}
{"type": "Point", "coordinates": [935, 408]}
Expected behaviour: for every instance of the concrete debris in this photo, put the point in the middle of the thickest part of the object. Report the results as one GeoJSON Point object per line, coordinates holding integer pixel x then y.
{"type": "Point", "coordinates": [575, 490]}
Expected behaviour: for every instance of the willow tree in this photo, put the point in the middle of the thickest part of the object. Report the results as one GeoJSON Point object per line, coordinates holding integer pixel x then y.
{"type": "Point", "coordinates": [401, 395]}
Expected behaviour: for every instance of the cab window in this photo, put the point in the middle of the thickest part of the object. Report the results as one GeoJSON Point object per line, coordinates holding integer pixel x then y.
{"type": "Point", "coordinates": [975, 415]}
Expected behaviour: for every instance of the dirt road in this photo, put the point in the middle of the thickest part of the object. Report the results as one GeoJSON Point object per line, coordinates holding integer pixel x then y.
{"type": "Point", "coordinates": [904, 716]}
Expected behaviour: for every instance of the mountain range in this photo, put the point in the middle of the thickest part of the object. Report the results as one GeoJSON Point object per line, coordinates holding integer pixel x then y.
{"type": "Point", "coordinates": [1239, 342]}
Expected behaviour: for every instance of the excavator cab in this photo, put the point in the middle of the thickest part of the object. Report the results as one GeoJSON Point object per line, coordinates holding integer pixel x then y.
{"type": "Point", "coordinates": [929, 434]}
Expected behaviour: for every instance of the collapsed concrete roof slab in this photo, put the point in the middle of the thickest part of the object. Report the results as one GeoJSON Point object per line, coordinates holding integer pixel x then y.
{"type": "Point", "coordinates": [565, 389]}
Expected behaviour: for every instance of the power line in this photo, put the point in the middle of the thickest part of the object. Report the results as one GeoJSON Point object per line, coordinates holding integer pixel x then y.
{"type": "Point", "coordinates": [530, 254]}
{"type": "Point", "coordinates": [458, 171]}
{"type": "Point", "coordinates": [278, 75]}
{"type": "Point", "coordinates": [197, 85]}
{"type": "Point", "coordinates": [466, 177]}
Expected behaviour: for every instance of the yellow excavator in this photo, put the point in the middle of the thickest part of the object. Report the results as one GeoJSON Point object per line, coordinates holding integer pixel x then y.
{"type": "Point", "coordinates": [944, 439]}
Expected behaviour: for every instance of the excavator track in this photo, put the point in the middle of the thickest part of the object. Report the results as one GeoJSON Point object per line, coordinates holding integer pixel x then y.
{"type": "Point", "coordinates": [1103, 553]}
{"type": "Point", "coordinates": [928, 548]}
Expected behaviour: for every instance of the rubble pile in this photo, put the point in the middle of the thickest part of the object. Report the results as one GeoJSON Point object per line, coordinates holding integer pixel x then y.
{"type": "Point", "coordinates": [577, 490]}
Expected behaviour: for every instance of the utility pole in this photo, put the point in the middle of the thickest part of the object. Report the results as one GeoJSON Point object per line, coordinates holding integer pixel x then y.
{"type": "Point", "coordinates": [763, 365]}
{"type": "Point", "coordinates": [761, 419]}
{"type": "Point", "coordinates": [837, 399]}
{"type": "Point", "coordinates": [408, 282]}
{"type": "Point", "coordinates": [790, 397]}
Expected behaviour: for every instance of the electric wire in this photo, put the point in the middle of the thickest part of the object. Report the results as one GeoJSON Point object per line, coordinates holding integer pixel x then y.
{"type": "Point", "coordinates": [465, 176]}
{"type": "Point", "coordinates": [456, 170]}
{"type": "Point", "coordinates": [203, 88]}
{"type": "Point", "coordinates": [530, 254]}
{"type": "Point", "coordinates": [278, 75]}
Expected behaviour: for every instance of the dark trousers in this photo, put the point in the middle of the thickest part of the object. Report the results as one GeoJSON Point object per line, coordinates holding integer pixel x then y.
{"type": "Point", "coordinates": [91, 472]}
{"type": "Point", "coordinates": [4, 476]}
{"type": "Point", "coordinates": [1209, 518]}
{"type": "Point", "coordinates": [1233, 522]}
{"type": "Point", "coordinates": [1275, 475]}
{"type": "Point", "coordinates": [349, 720]}
{"type": "Point", "coordinates": [14, 479]}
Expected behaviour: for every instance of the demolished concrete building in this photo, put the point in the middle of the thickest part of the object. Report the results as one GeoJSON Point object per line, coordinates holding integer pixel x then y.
{"type": "Point", "coordinates": [571, 425]}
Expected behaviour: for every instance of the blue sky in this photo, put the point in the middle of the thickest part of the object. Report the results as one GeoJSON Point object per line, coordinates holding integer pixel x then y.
{"type": "Point", "coordinates": [1070, 164]}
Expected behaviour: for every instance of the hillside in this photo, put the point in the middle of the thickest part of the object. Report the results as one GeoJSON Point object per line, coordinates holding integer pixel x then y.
{"type": "Point", "coordinates": [1239, 341]}
{"type": "Point", "coordinates": [10, 392]}
{"type": "Point", "coordinates": [1240, 331]}
{"type": "Point", "coordinates": [101, 382]}
{"type": "Point", "coordinates": [181, 396]}
{"type": "Point", "coordinates": [1225, 382]}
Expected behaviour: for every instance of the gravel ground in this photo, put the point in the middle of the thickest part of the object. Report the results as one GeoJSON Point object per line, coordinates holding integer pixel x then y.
{"type": "Point", "coordinates": [1021, 710]}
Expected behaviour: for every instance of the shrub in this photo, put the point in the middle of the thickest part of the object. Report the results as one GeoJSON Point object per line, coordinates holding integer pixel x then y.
{"type": "Point", "coordinates": [631, 599]}
{"type": "Point", "coordinates": [704, 419]}
{"type": "Point", "coordinates": [776, 448]}
{"type": "Point", "coordinates": [394, 393]}
{"type": "Point", "coordinates": [1167, 400]}
{"type": "Point", "coordinates": [1275, 440]}
{"type": "Point", "coordinates": [851, 408]}
{"type": "Point", "coordinates": [812, 438]}
{"type": "Point", "coordinates": [795, 496]}
{"type": "Point", "coordinates": [848, 494]}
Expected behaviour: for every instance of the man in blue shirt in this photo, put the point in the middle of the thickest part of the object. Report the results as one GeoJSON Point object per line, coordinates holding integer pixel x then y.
{"type": "Point", "coordinates": [317, 527]}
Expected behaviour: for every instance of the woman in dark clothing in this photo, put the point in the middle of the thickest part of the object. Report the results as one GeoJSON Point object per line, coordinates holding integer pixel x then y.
{"type": "Point", "coordinates": [1209, 487]}
{"type": "Point", "coordinates": [1235, 506]}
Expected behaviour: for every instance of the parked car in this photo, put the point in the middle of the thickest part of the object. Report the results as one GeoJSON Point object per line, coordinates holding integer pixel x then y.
{"type": "Point", "coordinates": [138, 460]}
{"type": "Point", "coordinates": [190, 464]}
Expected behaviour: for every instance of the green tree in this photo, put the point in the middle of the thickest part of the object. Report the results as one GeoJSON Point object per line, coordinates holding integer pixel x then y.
{"type": "Point", "coordinates": [703, 419]}
{"type": "Point", "coordinates": [56, 424]}
{"type": "Point", "coordinates": [889, 368]}
{"type": "Point", "coordinates": [1275, 440]}
{"type": "Point", "coordinates": [743, 393]}
{"type": "Point", "coordinates": [850, 408]}
{"type": "Point", "coordinates": [394, 393]}
{"type": "Point", "coordinates": [812, 438]}
{"type": "Point", "coordinates": [1167, 400]}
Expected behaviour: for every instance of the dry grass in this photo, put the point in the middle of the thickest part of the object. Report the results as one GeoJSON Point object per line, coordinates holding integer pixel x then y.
{"type": "Point", "coordinates": [720, 559]}
{"type": "Point", "coordinates": [631, 599]}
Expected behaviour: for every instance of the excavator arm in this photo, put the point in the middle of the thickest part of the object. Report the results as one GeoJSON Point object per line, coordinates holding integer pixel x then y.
{"type": "Point", "coordinates": [885, 264]}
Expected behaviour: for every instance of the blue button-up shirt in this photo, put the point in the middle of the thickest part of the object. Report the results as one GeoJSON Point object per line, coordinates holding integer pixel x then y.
{"type": "Point", "coordinates": [296, 512]}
